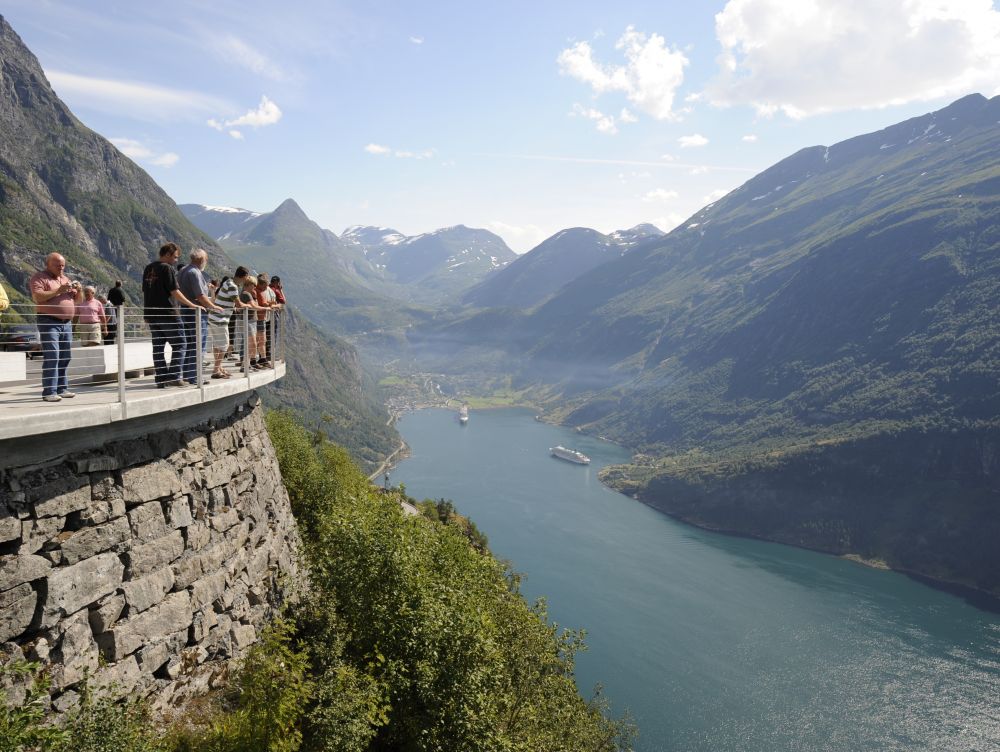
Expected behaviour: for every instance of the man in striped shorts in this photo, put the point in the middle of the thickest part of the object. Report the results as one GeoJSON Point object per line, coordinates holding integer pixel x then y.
{"type": "Point", "coordinates": [227, 299]}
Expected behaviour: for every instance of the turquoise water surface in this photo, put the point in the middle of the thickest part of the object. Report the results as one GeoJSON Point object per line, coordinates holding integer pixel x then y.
{"type": "Point", "coordinates": [713, 642]}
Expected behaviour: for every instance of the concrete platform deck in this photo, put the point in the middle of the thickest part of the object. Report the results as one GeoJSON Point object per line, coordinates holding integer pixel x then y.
{"type": "Point", "coordinates": [23, 413]}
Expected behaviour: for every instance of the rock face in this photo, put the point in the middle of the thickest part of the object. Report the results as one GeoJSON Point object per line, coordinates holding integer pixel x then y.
{"type": "Point", "coordinates": [147, 564]}
{"type": "Point", "coordinates": [97, 207]}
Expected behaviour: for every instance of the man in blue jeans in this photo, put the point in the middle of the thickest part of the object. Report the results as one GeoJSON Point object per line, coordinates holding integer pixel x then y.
{"type": "Point", "coordinates": [55, 297]}
{"type": "Point", "coordinates": [192, 284]}
{"type": "Point", "coordinates": [159, 293]}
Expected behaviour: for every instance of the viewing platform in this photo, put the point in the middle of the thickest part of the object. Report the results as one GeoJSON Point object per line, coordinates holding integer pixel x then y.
{"type": "Point", "coordinates": [116, 382]}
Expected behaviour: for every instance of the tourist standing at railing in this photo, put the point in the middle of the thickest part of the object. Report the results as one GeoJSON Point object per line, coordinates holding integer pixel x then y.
{"type": "Point", "coordinates": [267, 301]}
{"type": "Point", "coordinates": [159, 294]}
{"type": "Point", "coordinates": [55, 297]}
{"type": "Point", "coordinates": [192, 283]}
{"type": "Point", "coordinates": [4, 301]}
{"type": "Point", "coordinates": [91, 321]}
{"type": "Point", "coordinates": [227, 299]}
{"type": "Point", "coordinates": [279, 297]}
{"type": "Point", "coordinates": [4, 305]}
{"type": "Point", "coordinates": [248, 339]}
{"type": "Point", "coordinates": [116, 295]}
{"type": "Point", "coordinates": [111, 314]}
{"type": "Point", "coordinates": [278, 290]}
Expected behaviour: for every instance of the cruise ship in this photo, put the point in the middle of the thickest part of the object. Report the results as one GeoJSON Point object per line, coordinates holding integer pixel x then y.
{"type": "Point", "coordinates": [570, 455]}
{"type": "Point", "coordinates": [463, 415]}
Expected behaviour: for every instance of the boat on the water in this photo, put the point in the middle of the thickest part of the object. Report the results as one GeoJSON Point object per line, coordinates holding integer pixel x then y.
{"type": "Point", "coordinates": [463, 415]}
{"type": "Point", "coordinates": [570, 455]}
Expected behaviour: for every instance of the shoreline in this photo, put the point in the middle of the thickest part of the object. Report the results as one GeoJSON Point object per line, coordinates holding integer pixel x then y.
{"type": "Point", "coordinates": [980, 599]}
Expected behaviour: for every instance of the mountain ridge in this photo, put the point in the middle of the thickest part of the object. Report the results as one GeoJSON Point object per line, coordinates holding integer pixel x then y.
{"type": "Point", "coordinates": [557, 260]}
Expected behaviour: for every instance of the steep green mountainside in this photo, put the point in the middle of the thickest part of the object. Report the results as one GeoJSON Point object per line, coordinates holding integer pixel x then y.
{"type": "Point", "coordinates": [855, 283]}
{"type": "Point", "coordinates": [531, 278]}
{"type": "Point", "coordinates": [534, 276]}
{"type": "Point", "coordinates": [842, 297]}
{"type": "Point", "coordinates": [65, 188]}
{"type": "Point", "coordinates": [435, 267]}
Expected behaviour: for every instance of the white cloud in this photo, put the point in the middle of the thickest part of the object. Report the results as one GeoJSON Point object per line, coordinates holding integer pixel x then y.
{"type": "Point", "coordinates": [402, 154]}
{"type": "Point", "coordinates": [605, 123]}
{"type": "Point", "coordinates": [133, 99]}
{"type": "Point", "coordinates": [267, 113]}
{"type": "Point", "coordinates": [695, 139]}
{"type": "Point", "coordinates": [649, 78]}
{"type": "Point", "coordinates": [627, 116]}
{"type": "Point", "coordinates": [715, 195]}
{"type": "Point", "coordinates": [167, 159]}
{"type": "Point", "coordinates": [660, 194]}
{"type": "Point", "coordinates": [233, 49]}
{"type": "Point", "coordinates": [669, 221]}
{"type": "Point", "coordinates": [520, 238]}
{"type": "Point", "coordinates": [137, 151]}
{"type": "Point", "coordinates": [750, 138]}
{"type": "Point", "coordinates": [698, 170]}
{"type": "Point", "coordinates": [806, 57]}
{"type": "Point", "coordinates": [417, 40]}
{"type": "Point", "coordinates": [627, 177]}
{"type": "Point", "coordinates": [381, 150]}
{"type": "Point", "coordinates": [667, 157]}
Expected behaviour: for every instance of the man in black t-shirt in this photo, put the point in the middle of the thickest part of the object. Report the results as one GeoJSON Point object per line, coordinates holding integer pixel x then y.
{"type": "Point", "coordinates": [159, 293]}
{"type": "Point", "coordinates": [116, 295]}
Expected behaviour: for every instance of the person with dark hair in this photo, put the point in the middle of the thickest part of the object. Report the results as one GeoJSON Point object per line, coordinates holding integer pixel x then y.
{"type": "Point", "coordinates": [266, 301]}
{"type": "Point", "coordinates": [248, 336]}
{"type": "Point", "coordinates": [55, 297]}
{"type": "Point", "coordinates": [278, 290]}
{"type": "Point", "coordinates": [227, 299]}
{"type": "Point", "coordinates": [116, 295]}
{"type": "Point", "coordinates": [159, 293]}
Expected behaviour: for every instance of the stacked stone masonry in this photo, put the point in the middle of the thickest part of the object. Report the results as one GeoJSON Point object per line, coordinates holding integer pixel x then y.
{"type": "Point", "coordinates": [147, 564]}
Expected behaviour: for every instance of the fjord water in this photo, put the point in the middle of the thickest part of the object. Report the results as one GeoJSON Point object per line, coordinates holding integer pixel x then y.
{"type": "Point", "coordinates": [713, 642]}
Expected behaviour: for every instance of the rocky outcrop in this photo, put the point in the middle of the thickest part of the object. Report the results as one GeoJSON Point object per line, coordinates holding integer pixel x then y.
{"type": "Point", "coordinates": [149, 563]}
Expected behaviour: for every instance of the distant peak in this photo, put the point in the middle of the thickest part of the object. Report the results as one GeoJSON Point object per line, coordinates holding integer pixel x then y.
{"type": "Point", "coordinates": [289, 205]}
{"type": "Point", "coordinates": [645, 228]}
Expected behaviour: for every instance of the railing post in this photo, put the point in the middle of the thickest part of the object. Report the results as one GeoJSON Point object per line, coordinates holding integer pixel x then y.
{"type": "Point", "coordinates": [273, 325]}
{"type": "Point", "coordinates": [200, 362]}
{"type": "Point", "coordinates": [120, 339]}
{"type": "Point", "coordinates": [246, 342]}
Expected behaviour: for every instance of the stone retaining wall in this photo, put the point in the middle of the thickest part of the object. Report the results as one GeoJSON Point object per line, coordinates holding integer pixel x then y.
{"type": "Point", "coordinates": [147, 563]}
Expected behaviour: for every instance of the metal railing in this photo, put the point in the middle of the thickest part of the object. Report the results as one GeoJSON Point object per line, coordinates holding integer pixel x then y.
{"type": "Point", "coordinates": [132, 350]}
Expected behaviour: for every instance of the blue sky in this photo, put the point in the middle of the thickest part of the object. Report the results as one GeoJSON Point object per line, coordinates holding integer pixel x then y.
{"type": "Point", "coordinates": [521, 117]}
